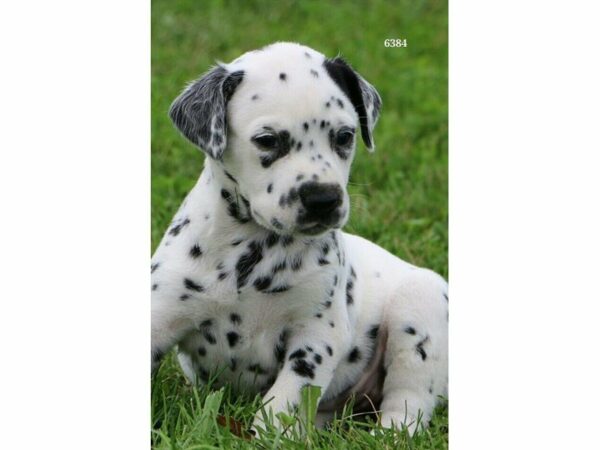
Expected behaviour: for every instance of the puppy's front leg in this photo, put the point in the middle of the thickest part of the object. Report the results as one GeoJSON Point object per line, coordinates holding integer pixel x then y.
{"type": "Point", "coordinates": [311, 358]}
{"type": "Point", "coordinates": [171, 320]}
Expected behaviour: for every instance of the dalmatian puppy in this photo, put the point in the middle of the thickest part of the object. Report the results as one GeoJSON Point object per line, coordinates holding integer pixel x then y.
{"type": "Point", "coordinates": [254, 281]}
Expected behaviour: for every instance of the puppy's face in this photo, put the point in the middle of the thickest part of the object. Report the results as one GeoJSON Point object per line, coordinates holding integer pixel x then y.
{"type": "Point", "coordinates": [290, 125]}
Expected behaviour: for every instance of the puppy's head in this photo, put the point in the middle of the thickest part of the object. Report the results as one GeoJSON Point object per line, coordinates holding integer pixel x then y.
{"type": "Point", "coordinates": [282, 122]}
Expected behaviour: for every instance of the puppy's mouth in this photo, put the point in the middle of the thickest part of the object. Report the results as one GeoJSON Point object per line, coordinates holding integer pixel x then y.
{"type": "Point", "coordinates": [305, 224]}
{"type": "Point", "coordinates": [314, 230]}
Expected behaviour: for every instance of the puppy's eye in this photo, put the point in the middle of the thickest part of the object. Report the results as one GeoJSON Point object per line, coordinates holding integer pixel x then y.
{"type": "Point", "coordinates": [266, 141]}
{"type": "Point", "coordinates": [344, 137]}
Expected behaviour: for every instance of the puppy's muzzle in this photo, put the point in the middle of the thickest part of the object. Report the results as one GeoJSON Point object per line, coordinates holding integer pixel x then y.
{"type": "Point", "coordinates": [321, 202]}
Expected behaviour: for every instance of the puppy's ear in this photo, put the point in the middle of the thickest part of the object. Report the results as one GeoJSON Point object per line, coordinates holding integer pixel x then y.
{"type": "Point", "coordinates": [200, 111]}
{"type": "Point", "coordinates": [364, 97]}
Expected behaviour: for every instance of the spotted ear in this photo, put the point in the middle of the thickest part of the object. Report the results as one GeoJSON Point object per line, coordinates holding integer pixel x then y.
{"type": "Point", "coordinates": [200, 111]}
{"type": "Point", "coordinates": [364, 97]}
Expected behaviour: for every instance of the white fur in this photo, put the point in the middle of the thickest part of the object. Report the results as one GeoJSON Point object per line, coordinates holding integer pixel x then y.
{"type": "Point", "coordinates": [386, 291]}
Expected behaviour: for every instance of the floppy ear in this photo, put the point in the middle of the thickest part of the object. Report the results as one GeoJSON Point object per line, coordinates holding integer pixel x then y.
{"type": "Point", "coordinates": [364, 97]}
{"type": "Point", "coordinates": [200, 111]}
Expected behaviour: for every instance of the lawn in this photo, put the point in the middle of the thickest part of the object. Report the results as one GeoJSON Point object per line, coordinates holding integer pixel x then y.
{"type": "Point", "coordinates": [399, 193]}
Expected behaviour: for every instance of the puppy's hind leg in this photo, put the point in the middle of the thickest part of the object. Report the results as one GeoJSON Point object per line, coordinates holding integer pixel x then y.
{"type": "Point", "coordinates": [416, 359]}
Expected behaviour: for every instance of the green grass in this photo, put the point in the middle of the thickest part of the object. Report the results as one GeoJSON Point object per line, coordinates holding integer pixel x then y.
{"type": "Point", "coordinates": [399, 193]}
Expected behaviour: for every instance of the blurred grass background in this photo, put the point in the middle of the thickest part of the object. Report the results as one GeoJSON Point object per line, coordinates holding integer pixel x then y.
{"type": "Point", "coordinates": [399, 194]}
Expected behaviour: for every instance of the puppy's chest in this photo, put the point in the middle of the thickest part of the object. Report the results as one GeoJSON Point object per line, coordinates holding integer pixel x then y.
{"type": "Point", "coordinates": [247, 301]}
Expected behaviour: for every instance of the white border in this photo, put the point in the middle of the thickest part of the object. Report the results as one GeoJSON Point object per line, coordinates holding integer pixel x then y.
{"type": "Point", "coordinates": [75, 187]}
{"type": "Point", "coordinates": [524, 224]}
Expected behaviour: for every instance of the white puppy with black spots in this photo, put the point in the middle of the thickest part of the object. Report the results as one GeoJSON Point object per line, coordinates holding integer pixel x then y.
{"type": "Point", "coordinates": [255, 282]}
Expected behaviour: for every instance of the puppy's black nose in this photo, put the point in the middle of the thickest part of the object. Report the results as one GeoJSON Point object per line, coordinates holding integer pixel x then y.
{"type": "Point", "coordinates": [320, 199]}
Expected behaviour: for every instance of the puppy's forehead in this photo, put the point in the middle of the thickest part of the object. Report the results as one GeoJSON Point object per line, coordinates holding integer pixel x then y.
{"type": "Point", "coordinates": [288, 79]}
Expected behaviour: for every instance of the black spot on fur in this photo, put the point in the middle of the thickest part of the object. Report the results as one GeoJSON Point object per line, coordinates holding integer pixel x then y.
{"type": "Point", "coordinates": [287, 240]}
{"type": "Point", "coordinates": [314, 73]}
{"type": "Point", "coordinates": [305, 125]}
{"type": "Point", "coordinates": [272, 239]}
{"type": "Point", "coordinates": [373, 332]}
{"type": "Point", "coordinates": [192, 286]}
{"type": "Point", "coordinates": [410, 330]}
{"type": "Point", "coordinates": [195, 251]}
{"type": "Point", "coordinates": [153, 267]}
{"type": "Point", "coordinates": [280, 266]}
{"type": "Point", "coordinates": [176, 229]}
{"type": "Point", "coordinates": [233, 364]}
{"type": "Point", "coordinates": [254, 97]}
{"type": "Point", "coordinates": [282, 76]}
{"type": "Point", "coordinates": [296, 263]}
{"type": "Point", "coordinates": [293, 195]}
{"type": "Point", "coordinates": [329, 350]}
{"type": "Point", "coordinates": [201, 351]}
{"type": "Point", "coordinates": [323, 262]}
{"type": "Point", "coordinates": [235, 318]}
{"type": "Point", "coordinates": [237, 242]}
{"type": "Point", "coordinates": [304, 369]}
{"type": "Point", "coordinates": [270, 188]}
{"type": "Point", "coordinates": [299, 146]}
{"type": "Point", "coordinates": [184, 297]}
{"type": "Point", "coordinates": [340, 103]}
{"type": "Point", "coordinates": [206, 323]}
{"type": "Point", "coordinates": [276, 223]}
{"type": "Point", "coordinates": [210, 338]}
{"type": "Point", "coordinates": [262, 283]}
{"type": "Point", "coordinates": [231, 177]}
{"type": "Point", "coordinates": [322, 124]}
{"type": "Point", "coordinates": [307, 55]}
{"type": "Point", "coordinates": [297, 354]}
{"type": "Point", "coordinates": [420, 350]}
{"type": "Point", "coordinates": [318, 358]}
{"type": "Point", "coordinates": [233, 208]}
{"type": "Point", "coordinates": [446, 296]}
{"type": "Point", "coordinates": [247, 262]}
{"type": "Point", "coordinates": [278, 289]}
{"type": "Point", "coordinates": [354, 355]}
{"type": "Point", "coordinates": [331, 324]}
{"type": "Point", "coordinates": [281, 346]}
{"type": "Point", "coordinates": [349, 296]}
{"type": "Point", "coordinates": [223, 275]}
{"type": "Point", "coordinates": [232, 338]}
{"type": "Point", "coordinates": [318, 315]}
{"type": "Point", "coordinates": [154, 286]}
